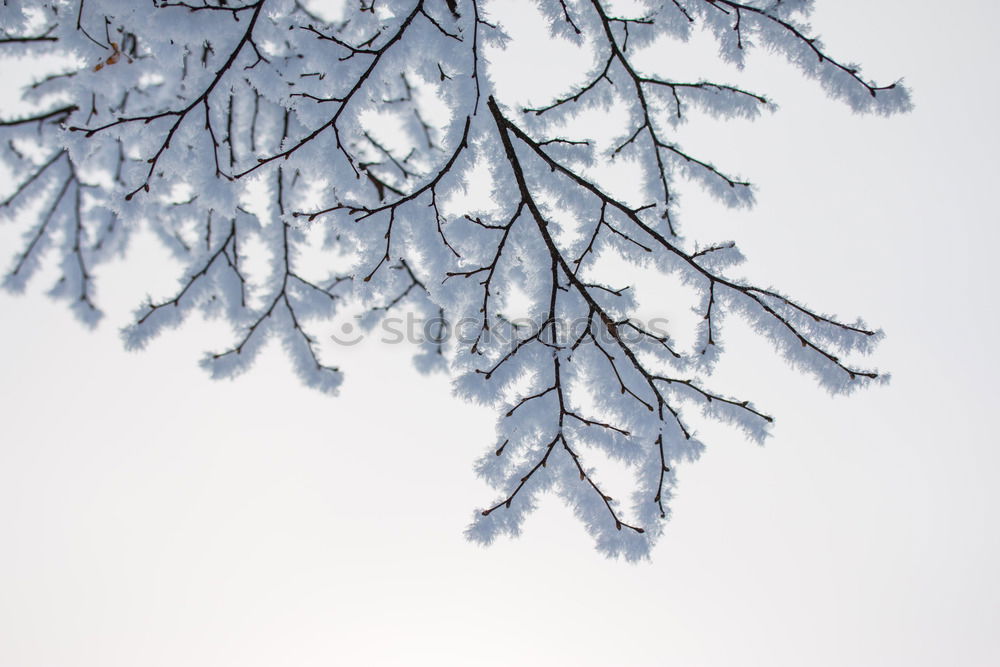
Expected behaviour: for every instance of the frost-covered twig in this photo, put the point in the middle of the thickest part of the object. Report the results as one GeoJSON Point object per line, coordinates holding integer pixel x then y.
{"type": "Point", "coordinates": [254, 128]}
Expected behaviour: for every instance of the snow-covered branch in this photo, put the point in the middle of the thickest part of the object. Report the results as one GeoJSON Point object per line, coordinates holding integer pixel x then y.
{"type": "Point", "coordinates": [373, 122]}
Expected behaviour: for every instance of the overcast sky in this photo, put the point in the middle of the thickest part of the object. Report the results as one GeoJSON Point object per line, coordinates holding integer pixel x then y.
{"type": "Point", "coordinates": [150, 516]}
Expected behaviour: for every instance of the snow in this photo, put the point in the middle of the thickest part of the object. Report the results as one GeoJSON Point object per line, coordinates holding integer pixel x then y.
{"type": "Point", "coordinates": [378, 127]}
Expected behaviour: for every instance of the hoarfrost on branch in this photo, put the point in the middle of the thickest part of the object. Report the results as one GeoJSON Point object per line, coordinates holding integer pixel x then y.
{"type": "Point", "coordinates": [364, 123]}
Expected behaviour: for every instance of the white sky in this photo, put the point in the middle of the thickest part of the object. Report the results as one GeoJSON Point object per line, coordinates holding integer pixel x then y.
{"type": "Point", "coordinates": [150, 516]}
